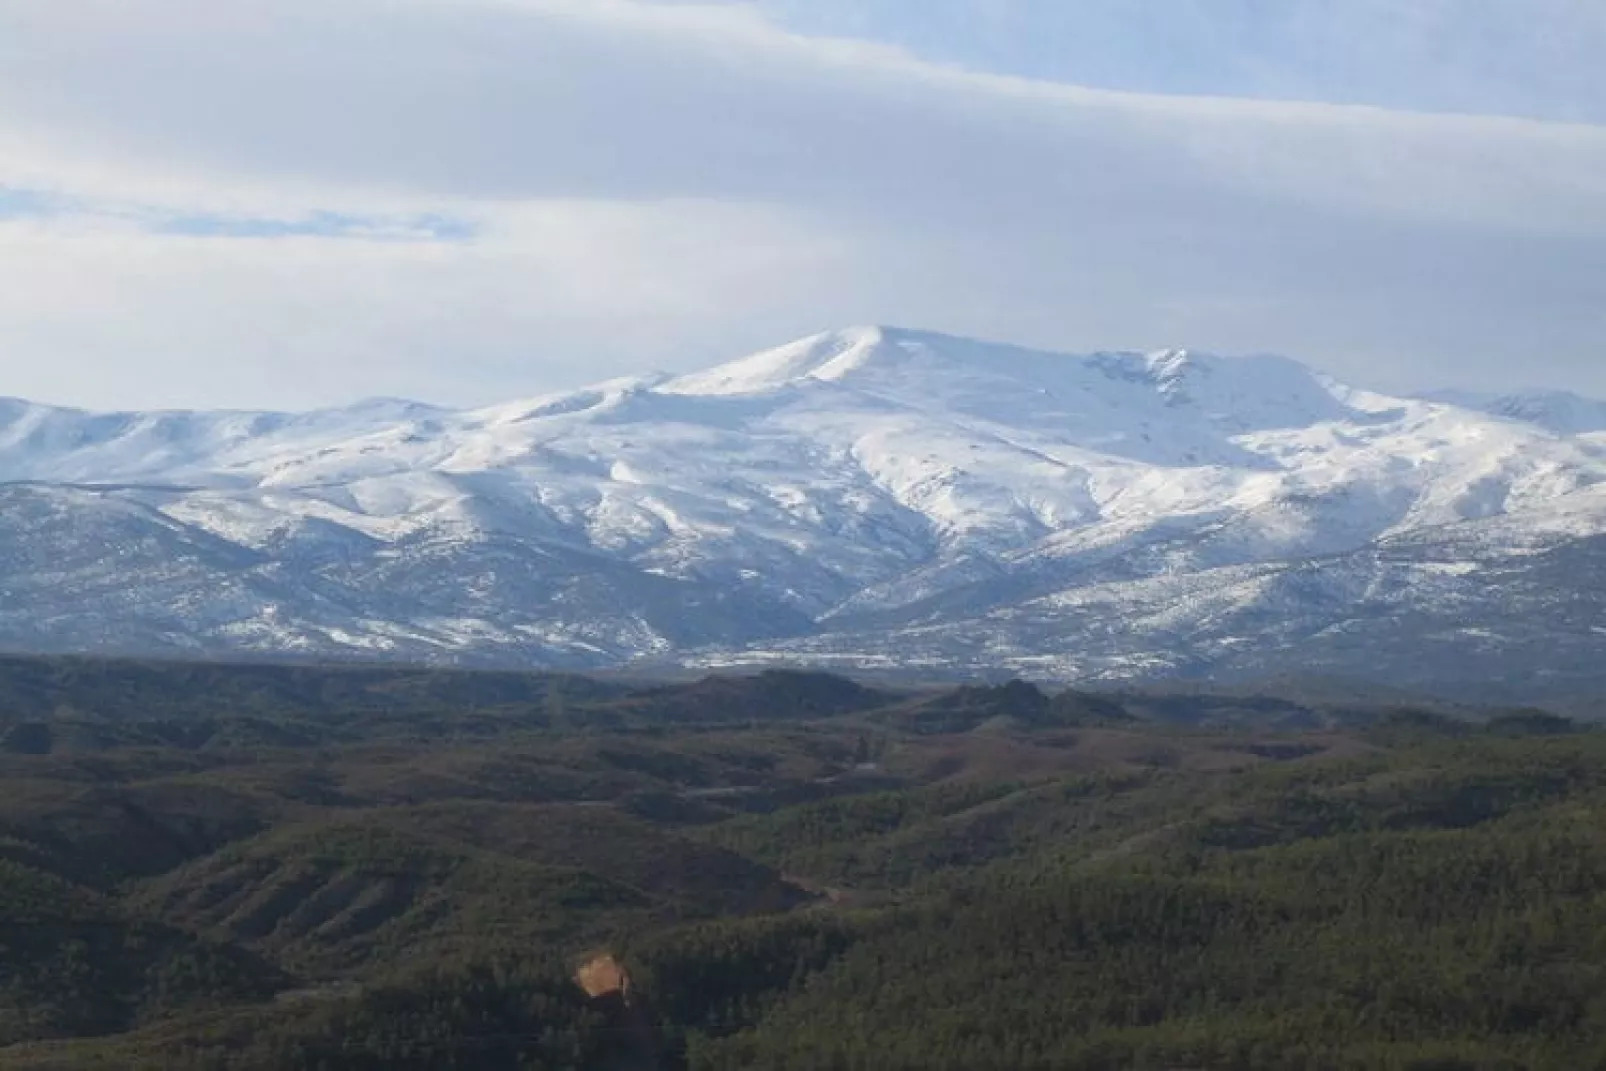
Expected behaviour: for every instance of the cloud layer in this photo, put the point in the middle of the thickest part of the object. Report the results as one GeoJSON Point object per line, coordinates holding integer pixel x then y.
{"type": "Point", "coordinates": [290, 203]}
{"type": "Point", "coordinates": [1534, 58]}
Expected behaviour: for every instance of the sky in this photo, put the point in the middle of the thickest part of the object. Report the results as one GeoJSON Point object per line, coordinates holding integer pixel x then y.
{"type": "Point", "coordinates": [295, 203]}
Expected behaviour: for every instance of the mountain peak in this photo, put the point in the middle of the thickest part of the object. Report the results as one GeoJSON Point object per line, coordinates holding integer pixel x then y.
{"type": "Point", "coordinates": [1558, 411]}
{"type": "Point", "coordinates": [1168, 360]}
{"type": "Point", "coordinates": [387, 404]}
{"type": "Point", "coordinates": [863, 491]}
{"type": "Point", "coordinates": [829, 356]}
{"type": "Point", "coordinates": [878, 352]}
{"type": "Point", "coordinates": [1005, 382]}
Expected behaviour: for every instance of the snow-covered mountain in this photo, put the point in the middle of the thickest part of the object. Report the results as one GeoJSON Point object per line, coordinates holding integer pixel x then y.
{"type": "Point", "coordinates": [1559, 411]}
{"type": "Point", "coordinates": [871, 496]}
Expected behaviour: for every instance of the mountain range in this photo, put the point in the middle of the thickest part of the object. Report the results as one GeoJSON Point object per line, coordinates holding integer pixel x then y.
{"type": "Point", "coordinates": [871, 498]}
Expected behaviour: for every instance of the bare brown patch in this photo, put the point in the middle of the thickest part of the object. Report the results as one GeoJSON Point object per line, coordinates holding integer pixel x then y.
{"type": "Point", "coordinates": [602, 976]}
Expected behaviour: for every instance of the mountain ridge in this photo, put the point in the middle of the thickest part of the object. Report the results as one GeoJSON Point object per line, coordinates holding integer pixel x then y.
{"type": "Point", "coordinates": [776, 507]}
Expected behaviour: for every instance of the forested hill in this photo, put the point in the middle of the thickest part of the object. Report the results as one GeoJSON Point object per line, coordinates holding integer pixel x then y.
{"type": "Point", "coordinates": [301, 867]}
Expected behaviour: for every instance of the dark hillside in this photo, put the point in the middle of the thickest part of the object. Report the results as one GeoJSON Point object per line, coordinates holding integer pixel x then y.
{"type": "Point", "coordinates": [228, 867]}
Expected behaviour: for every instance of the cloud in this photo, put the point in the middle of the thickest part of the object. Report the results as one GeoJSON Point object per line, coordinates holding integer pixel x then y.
{"type": "Point", "coordinates": [600, 187]}
{"type": "Point", "coordinates": [556, 294]}
{"type": "Point", "coordinates": [1534, 58]}
{"type": "Point", "coordinates": [40, 204]}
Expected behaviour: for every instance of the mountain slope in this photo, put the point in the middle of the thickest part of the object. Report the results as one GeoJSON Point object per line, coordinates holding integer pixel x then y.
{"type": "Point", "coordinates": [867, 496]}
{"type": "Point", "coordinates": [1561, 412]}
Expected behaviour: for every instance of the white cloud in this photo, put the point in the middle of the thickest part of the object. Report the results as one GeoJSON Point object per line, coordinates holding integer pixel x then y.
{"type": "Point", "coordinates": [113, 316]}
{"type": "Point", "coordinates": [1537, 58]}
{"type": "Point", "coordinates": [667, 185]}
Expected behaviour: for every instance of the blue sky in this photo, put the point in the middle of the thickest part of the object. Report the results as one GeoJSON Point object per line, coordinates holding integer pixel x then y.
{"type": "Point", "coordinates": [1534, 58]}
{"type": "Point", "coordinates": [299, 202]}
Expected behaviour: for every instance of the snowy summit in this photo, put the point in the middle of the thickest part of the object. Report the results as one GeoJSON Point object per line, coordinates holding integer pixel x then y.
{"type": "Point", "coordinates": [872, 496]}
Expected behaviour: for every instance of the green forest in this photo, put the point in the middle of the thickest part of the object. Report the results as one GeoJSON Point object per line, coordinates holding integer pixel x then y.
{"type": "Point", "coordinates": [322, 867]}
